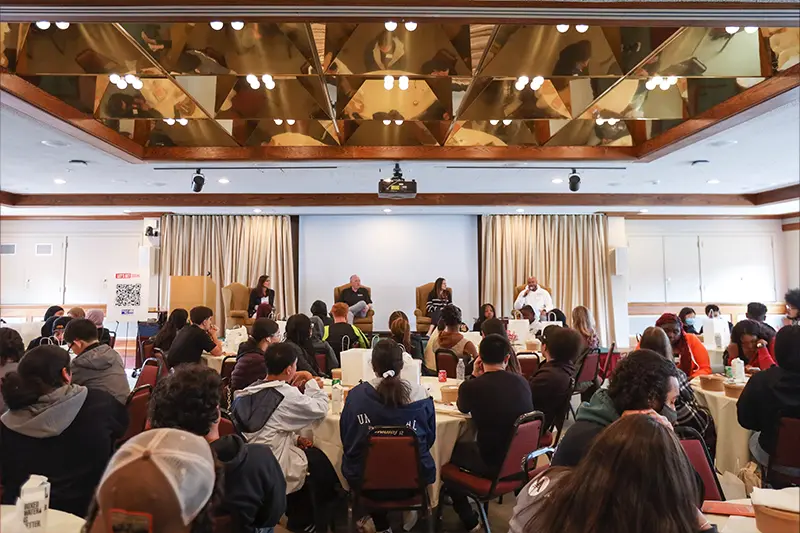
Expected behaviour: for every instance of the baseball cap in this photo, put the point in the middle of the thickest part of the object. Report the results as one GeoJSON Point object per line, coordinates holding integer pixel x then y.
{"type": "Point", "coordinates": [157, 482]}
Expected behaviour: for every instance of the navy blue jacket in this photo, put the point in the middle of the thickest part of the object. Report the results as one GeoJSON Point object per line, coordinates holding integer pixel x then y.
{"type": "Point", "coordinates": [364, 409]}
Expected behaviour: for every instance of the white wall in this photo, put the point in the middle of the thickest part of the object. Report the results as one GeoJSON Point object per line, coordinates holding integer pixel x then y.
{"type": "Point", "coordinates": [392, 255]}
{"type": "Point", "coordinates": [791, 242]}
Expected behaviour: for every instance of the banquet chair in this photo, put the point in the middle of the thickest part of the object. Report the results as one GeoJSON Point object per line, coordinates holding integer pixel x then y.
{"type": "Point", "coordinates": [513, 473]}
{"type": "Point", "coordinates": [322, 362]}
{"type": "Point", "coordinates": [608, 362]}
{"type": "Point", "coordinates": [149, 373]}
{"type": "Point", "coordinates": [695, 448]}
{"type": "Point", "coordinates": [144, 351]}
{"type": "Point", "coordinates": [225, 372]}
{"type": "Point", "coordinates": [551, 435]}
{"type": "Point", "coordinates": [112, 339]}
{"type": "Point", "coordinates": [364, 323]}
{"type": "Point", "coordinates": [226, 425]}
{"type": "Point", "coordinates": [391, 465]}
{"type": "Point", "coordinates": [446, 360]}
{"type": "Point", "coordinates": [421, 312]}
{"type": "Point", "coordinates": [785, 455]}
{"type": "Point", "coordinates": [528, 365]}
{"type": "Point", "coordinates": [588, 368]}
{"type": "Point", "coordinates": [137, 404]}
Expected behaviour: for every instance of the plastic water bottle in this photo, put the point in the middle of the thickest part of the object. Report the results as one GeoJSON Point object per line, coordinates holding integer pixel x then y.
{"type": "Point", "coordinates": [337, 395]}
{"type": "Point", "coordinates": [460, 370]}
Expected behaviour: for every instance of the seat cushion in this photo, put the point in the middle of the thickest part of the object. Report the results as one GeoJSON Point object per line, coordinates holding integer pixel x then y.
{"type": "Point", "coordinates": [546, 439]}
{"type": "Point", "coordinates": [392, 504]}
{"type": "Point", "coordinates": [479, 486]}
{"type": "Point", "coordinates": [238, 314]}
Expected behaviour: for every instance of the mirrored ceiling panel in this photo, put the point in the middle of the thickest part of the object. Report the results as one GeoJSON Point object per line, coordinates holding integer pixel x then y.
{"type": "Point", "coordinates": [493, 133]}
{"type": "Point", "coordinates": [280, 132]}
{"type": "Point", "coordinates": [403, 97]}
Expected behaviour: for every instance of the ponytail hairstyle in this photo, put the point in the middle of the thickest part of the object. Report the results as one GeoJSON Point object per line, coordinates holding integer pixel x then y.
{"type": "Point", "coordinates": [387, 362]}
{"type": "Point", "coordinates": [40, 371]}
{"type": "Point", "coordinates": [401, 332]}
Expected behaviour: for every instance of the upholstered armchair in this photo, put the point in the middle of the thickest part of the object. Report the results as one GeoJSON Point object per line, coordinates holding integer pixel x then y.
{"type": "Point", "coordinates": [424, 321]}
{"type": "Point", "coordinates": [363, 323]}
{"type": "Point", "coordinates": [236, 298]}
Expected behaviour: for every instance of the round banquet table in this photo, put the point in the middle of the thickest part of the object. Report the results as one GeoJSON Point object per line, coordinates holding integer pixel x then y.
{"type": "Point", "coordinates": [450, 426]}
{"type": "Point", "coordinates": [57, 521]}
{"type": "Point", "coordinates": [733, 441]}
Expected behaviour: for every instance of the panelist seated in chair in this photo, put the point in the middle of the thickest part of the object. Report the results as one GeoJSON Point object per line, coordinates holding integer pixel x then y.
{"type": "Point", "coordinates": [341, 335]}
{"type": "Point", "coordinates": [261, 294]}
{"type": "Point", "coordinates": [386, 400]}
{"type": "Point", "coordinates": [449, 337]}
{"type": "Point", "coordinates": [496, 399]}
{"type": "Point", "coordinates": [357, 298]}
{"type": "Point", "coordinates": [535, 296]}
{"type": "Point", "coordinates": [438, 299]}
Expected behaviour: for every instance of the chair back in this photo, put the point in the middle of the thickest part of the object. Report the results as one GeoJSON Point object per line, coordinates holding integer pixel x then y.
{"type": "Point", "coordinates": [149, 373]}
{"type": "Point", "coordinates": [226, 369]}
{"type": "Point", "coordinates": [322, 362]}
{"type": "Point", "coordinates": [235, 297]}
{"type": "Point", "coordinates": [391, 460]}
{"type": "Point", "coordinates": [525, 437]}
{"type": "Point", "coordinates": [447, 360]}
{"type": "Point", "coordinates": [422, 295]}
{"type": "Point", "coordinates": [337, 291]}
{"type": "Point", "coordinates": [785, 455]}
{"type": "Point", "coordinates": [158, 354]}
{"type": "Point", "coordinates": [563, 411]}
{"type": "Point", "coordinates": [608, 362]}
{"type": "Point", "coordinates": [112, 339]}
{"type": "Point", "coordinates": [226, 426]}
{"type": "Point", "coordinates": [695, 448]}
{"type": "Point", "coordinates": [528, 365]}
{"type": "Point", "coordinates": [137, 405]}
{"type": "Point", "coordinates": [589, 367]}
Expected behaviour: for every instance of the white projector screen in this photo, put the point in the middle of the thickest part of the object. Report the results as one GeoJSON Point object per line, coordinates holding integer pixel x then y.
{"type": "Point", "coordinates": [392, 255]}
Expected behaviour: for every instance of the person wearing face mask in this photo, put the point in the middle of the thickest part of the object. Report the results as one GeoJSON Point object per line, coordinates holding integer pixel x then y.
{"type": "Point", "coordinates": [692, 355]}
{"type": "Point", "coordinates": [688, 320]}
{"type": "Point", "coordinates": [644, 381]}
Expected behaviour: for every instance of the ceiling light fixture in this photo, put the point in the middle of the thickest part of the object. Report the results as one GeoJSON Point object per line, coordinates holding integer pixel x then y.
{"type": "Point", "coordinates": [520, 210]}
{"type": "Point", "coordinates": [398, 122]}
{"type": "Point", "coordinates": [127, 211]}
{"type": "Point", "coordinates": [644, 210]}
{"type": "Point", "coordinates": [386, 122]}
{"type": "Point", "coordinates": [557, 181]}
{"type": "Point", "coordinates": [506, 122]}
{"type": "Point", "coordinates": [537, 83]}
{"type": "Point", "coordinates": [224, 181]}
{"type": "Point", "coordinates": [65, 25]}
{"type": "Point", "coordinates": [581, 28]}
{"type": "Point", "coordinates": [252, 80]}
{"type": "Point", "coordinates": [59, 181]}
{"type": "Point", "coordinates": [182, 121]}
{"type": "Point", "coordinates": [664, 84]}
{"type": "Point", "coordinates": [599, 121]}
{"type": "Point", "coordinates": [122, 84]}
{"type": "Point", "coordinates": [731, 29]}
{"type": "Point", "coordinates": [278, 121]}
{"type": "Point", "coordinates": [130, 78]}
{"type": "Point", "coordinates": [650, 84]}
{"type": "Point", "coordinates": [138, 84]}
{"type": "Point", "coordinates": [562, 28]}
{"type": "Point", "coordinates": [387, 210]}
{"type": "Point", "coordinates": [390, 25]}
{"type": "Point", "coordinates": [612, 121]}
{"type": "Point", "coordinates": [113, 78]}
{"type": "Point", "coordinates": [269, 84]}
{"type": "Point", "coordinates": [237, 25]}
{"type": "Point", "coordinates": [170, 121]}
{"type": "Point", "coordinates": [43, 24]}
{"type": "Point", "coordinates": [494, 122]}
{"type": "Point", "coordinates": [256, 210]}
{"type": "Point", "coordinates": [402, 82]}
{"type": "Point", "coordinates": [216, 25]}
{"type": "Point", "coordinates": [522, 81]}
{"type": "Point", "coordinates": [54, 144]}
{"type": "Point", "coordinates": [410, 25]}
{"type": "Point", "coordinates": [672, 80]}
{"type": "Point", "coordinates": [388, 82]}
{"type": "Point", "coordinates": [713, 182]}
{"type": "Point", "coordinates": [750, 29]}
{"type": "Point", "coordinates": [290, 121]}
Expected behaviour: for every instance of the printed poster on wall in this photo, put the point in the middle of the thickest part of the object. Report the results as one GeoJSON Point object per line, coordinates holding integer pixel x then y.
{"type": "Point", "coordinates": [127, 300]}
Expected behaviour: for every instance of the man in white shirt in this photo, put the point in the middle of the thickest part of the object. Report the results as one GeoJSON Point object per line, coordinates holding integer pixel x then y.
{"type": "Point", "coordinates": [534, 296]}
{"type": "Point", "coordinates": [274, 411]}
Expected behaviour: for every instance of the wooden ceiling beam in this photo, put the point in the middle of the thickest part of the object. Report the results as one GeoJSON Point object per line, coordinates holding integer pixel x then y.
{"type": "Point", "coordinates": [792, 192]}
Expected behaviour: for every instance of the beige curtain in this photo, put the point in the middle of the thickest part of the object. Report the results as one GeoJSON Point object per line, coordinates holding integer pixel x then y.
{"type": "Point", "coordinates": [567, 253]}
{"type": "Point", "coordinates": [232, 248]}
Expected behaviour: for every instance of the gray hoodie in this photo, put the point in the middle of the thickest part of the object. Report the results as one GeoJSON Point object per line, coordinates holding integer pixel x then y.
{"type": "Point", "coordinates": [49, 416]}
{"type": "Point", "coordinates": [100, 367]}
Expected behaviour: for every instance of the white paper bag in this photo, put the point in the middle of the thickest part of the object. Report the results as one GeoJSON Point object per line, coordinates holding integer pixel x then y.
{"type": "Point", "coordinates": [233, 338]}
{"type": "Point", "coordinates": [732, 486]}
{"type": "Point", "coordinates": [356, 366]}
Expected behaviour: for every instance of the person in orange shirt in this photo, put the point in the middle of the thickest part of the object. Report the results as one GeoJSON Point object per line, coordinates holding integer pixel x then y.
{"type": "Point", "coordinates": [693, 356]}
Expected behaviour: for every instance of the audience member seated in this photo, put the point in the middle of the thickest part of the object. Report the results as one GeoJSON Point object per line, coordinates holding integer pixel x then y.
{"type": "Point", "coordinates": [449, 338]}
{"type": "Point", "coordinates": [749, 345]}
{"type": "Point", "coordinates": [495, 325]}
{"type": "Point", "coordinates": [76, 312]}
{"type": "Point", "coordinates": [319, 318]}
{"type": "Point", "coordinates": [198, 337]}
{"type": "Point", "coordinates": [636, 478]}
{"type": "Point", "coordinates": [550, 385]}
{"type": "Point", "coordinates": [11, 351]}
{"type": "Point", "coordinates": [688, 320]}
{"type": "Point", "coordinates": [692, 355]}
{"type": "Point", "coordinates": [770, 394]}
{"type": "Point", "coordinates": [357, 299]}
{"type": "Point", "coordinates": [96, 366]}
{"type": "Point", "coordinates": [264, 311]}
{"type": "Point", "coordinates": [298, 332]}
{"type": "Point", "coordinates": [534, 296]}
{"type": "Point", "coordinates": [52, 332]}
{"type": "Point", "coordinates": [56, 429]}
{"type": "Point", "coordinates": [402, 334]}
{"type": "Point", "coordinates": [96, 317]}
{"type": "Point", "coordinates": [438, 299]}
{"type": "Point", "coordinates": [758, 312]}
{"type": "Point", "coordinates": [557, 315]}
{"type": "Point", "coordinates": [583, 323]}
{"type": "Point", "coordinates": [53, 310]}
{"type": "Point", "coordinates": [251, 366]}
{"type": "Point", "coordinates": [160, 481]}
{"type": "Point", "coordinates": [792, 299]}
{"type": "Point", "coordinates": [274, 412]}
{"type": "Point", "coordinates": [642, 381]}
{"type": "Point", "coordinates": [486, 313]}
{"type": "Point", "coordinates": [712, 311]}
{"type": "Point", "coordinates": [386, 400]}
{"type": "Point", "coordinates": [255, 491]}
{"type": "Point", "coordinates": [527, 313]}
{"type": "Point", "coordinates": [261, 294]}
{"type": "Point", "coordinates": [495, 399]}
{"type": "Point", "coordinates": [166, 335]}
{"type": "Point", "coordinates": [689, 412]}
{"type": "Point", "coordinates": [340, 330]}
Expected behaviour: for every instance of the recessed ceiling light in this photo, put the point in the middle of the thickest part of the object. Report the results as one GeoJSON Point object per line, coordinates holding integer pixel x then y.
{"type": "Point", "coordinates": [494, 122]}
{"type": "Point", "coordinates": [398, 122]}
{"type": "Point", "coordinates": [750, 29]}
{"type": "Point", "coordinates": [216, 25]}
{"type": "Point", "coordinates": [507, 122]}
{"type": "Point", "coordinates": [557, 181]}
{"type": "Point", "coordinates": [126, 211]}
{"type": "Point", "coordinates": [390, 25]}
{"type": "Point", "coordinates": [224, 181]}
{"type": "Point", "coordinates": [562, 28]}
{"type": "Point", "coordinates": [278, 121]}
{"type": "Point", "coordinates": [290, 121]}
{"type": "Point", "coordinates": [386, 122]}
{"type": "Point", "coordinates": [644, 210]}
{"type": "Point", "coordinates": [520, 210]}
{"type": "Point", "coordinates": [54, 143]}
{"type": "Point", "coordinates": [731, 29]}
{"type": "Point", "coordinates": [43, 24]}
{"type": "Point", "coordinates": [65, 25]}
{"type": "Point", "coordinates": [712, 182]}
{"type": "Point", "coordinates": [59, 181]}
{"type": "Point", "coordinates": [182, 121]}
{"type": "Point", "coordinates": [410, 25]}
{"type": "Point", "coordinates": [387, 210]}
{"type": "Point", "coordinates": [256, 210]}
{"type": "Point", "coordinates": [723, 142]}
{"type": "Point", "coordinates": [122, 84]}
{"type": "Point", "coordinates": [237, 25]}
{"type": "Point", "coordinates": [581, 28]}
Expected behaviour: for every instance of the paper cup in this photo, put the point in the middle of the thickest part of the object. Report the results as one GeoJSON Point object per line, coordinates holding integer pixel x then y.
{"type": "Point", "coordinates": [533, 345]}
{"type": "Point", "coordinates": [336, 373]}
{"type": "Point", "coordinates": [449, 394]}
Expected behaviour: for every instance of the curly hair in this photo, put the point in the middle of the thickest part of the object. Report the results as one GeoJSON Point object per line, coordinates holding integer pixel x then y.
{"type": "Point", "coordinates": [11, 346]}
{"type": "Point", "coordinates": [187, 399]}
{"type": "Point", "coordinates": [792, 297]}
{"type": "Point", "coordinates": [641, 381]}
{"type": "Point", "coordinates": [451, 315]}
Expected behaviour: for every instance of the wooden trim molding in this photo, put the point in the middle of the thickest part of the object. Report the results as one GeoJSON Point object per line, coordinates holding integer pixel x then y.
{"type": "Point", "coordinates": [794, 226]}
{"type": "Point", "coordinates": [640, 216]}
{"type": "Point", "coordinates": [774, 196]}
{"type": "Point", "coordinates": [733, 309]}
{"type": "Point", "coordinates": [8, 198]}
{"type": "Point", "coordinates": [72, 218]}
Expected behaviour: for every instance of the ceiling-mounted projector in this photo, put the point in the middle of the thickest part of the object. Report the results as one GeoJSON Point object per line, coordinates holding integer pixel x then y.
{"type": "Point", "coordinates": [396, 188]}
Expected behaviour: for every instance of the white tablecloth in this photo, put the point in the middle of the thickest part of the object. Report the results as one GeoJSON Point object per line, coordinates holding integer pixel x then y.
{"type": "Point", "coordinates": [57, 521]}
{"type": "Point", "coordinates": [733, 451]}
{"type": "Point", "coordinates": [449, 428]}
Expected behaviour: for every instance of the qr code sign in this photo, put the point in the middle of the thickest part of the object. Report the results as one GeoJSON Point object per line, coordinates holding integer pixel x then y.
{"type": "Point", "coordinates": [128, 295]}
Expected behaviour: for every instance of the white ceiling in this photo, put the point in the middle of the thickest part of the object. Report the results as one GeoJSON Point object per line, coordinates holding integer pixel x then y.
{"type": "Point", "coordinates": [760, 154]}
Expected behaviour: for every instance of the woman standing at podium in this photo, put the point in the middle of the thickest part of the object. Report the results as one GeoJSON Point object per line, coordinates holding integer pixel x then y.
{"type": "Point", "coordinates": [261, 294]}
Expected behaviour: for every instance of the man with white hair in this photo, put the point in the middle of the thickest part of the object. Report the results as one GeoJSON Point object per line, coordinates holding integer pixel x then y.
{"type": "Point", "coordinates": [357, 298]}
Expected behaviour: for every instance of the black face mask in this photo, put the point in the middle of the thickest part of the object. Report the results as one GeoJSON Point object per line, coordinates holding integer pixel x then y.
{"type": "Point", "coordinates": [669, 413]}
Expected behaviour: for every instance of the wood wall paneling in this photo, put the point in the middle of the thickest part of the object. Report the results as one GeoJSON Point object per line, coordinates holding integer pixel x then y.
{"type": "Point", "coordinates": [659, 308]}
